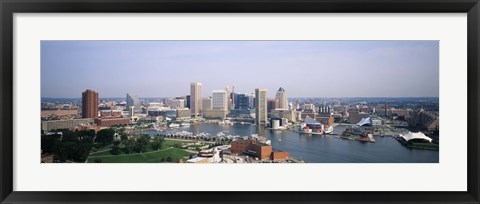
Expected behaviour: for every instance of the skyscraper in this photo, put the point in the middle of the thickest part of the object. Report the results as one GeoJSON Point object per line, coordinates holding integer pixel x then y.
{"type": "Point", "coordinates": [195, 98]}
{"type": "Point", "coordinates": [187, 101]}
{"type": "Point", "coordinates": [207, 104]}
{"type": "Point", "coordinates": [220, 100]}
{"type": "Point", "coordinates": [282, 98]}
{"type": "Point", "coordinates": [260, 106]}
{"type": "Point", "coordinates": [244, 101]}
{"type": "Point", "coordinates": [272, 105]}
{"type": "Point", "coordinates": [89, 104]}
{"type": "Point", "coordinates": [132, 100]}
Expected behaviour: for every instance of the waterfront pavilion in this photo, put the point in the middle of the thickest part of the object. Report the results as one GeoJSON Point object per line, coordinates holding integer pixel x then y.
{"type": "Point", "coordinates": [416, 137]}
{"type": "Point", "coordinates": [365, 122]}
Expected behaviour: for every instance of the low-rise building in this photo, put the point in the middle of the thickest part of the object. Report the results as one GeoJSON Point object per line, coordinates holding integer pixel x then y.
{"type": "Point", "coordinates": [251, 147]}
{"type": "Point", "coordinates": [66, 124]}
{"type": "Point", "coordinates": [279, 156]}
{"type": "Point", "coordinates": [109, 121]}
{"type": "Point", "coordinates": [285, 113]}
{"type": "Point", "coordinates": [198, 160]}
{"type": "Point", "coordinates": [46, 158]}
{"type": "Point", "coordinates": [216, 113]}
{"type": "Point", "coordinates": [184, 113]}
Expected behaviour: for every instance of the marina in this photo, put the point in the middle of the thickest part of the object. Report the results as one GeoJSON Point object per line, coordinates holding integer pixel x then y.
{"type": "Point", "coordinates": [324, 148]}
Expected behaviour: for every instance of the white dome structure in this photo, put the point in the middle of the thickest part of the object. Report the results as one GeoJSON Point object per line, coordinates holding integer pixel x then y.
{"type": "Point", "coordinates": [416, 136]}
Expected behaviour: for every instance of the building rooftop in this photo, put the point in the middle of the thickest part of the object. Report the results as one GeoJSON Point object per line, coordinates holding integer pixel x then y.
{"type": "Point", "coordinates": [196, 159]}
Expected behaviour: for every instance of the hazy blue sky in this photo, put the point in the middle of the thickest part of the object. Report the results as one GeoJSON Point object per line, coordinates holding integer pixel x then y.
{"type": "Point", "coordinates": [303, 68]}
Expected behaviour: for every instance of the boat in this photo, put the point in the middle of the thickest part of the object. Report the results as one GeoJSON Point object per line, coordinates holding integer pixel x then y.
{"type": "Point", "coordinates": [279, 140]}
{"type": "Point", "coordinates": [174, 125]}
{"type": "Point", "coordinates": [185, 124]}
{"type": "Point", "coordinates": [221, 123]}
{"type": "Point", "coordinates": [329, 130]}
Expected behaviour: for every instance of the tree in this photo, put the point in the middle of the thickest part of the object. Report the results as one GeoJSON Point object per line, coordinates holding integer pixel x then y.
{"type": "Point", "coordinates": [123, 137]}
{"type": "Point", "coordinates": [69, 136]}
{"type": "Point", "coordinates": [115, 150]}
{"type": "Point", "coordinates": [129, 146]}
{"type": "Point", "coordinates": [87, 133]}
{"type": "Point", "coordinates": [141, 144]}
{"type": "Point", "coordinates": [169, 159]}
{"type": "Point", "coordinates": [157, 143]}
{"type": "Point", "coordinates": [50, 143]}
{"type": "Point", "coordinates": [105, 136]}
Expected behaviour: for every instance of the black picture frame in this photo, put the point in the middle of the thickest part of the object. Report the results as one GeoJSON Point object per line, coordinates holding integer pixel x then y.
{"type": "Point", "coordinates": [10, 7]}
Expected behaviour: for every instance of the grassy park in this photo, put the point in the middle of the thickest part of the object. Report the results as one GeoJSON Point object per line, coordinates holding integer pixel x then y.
{"type": "Point", "coordinates": [168, 152]}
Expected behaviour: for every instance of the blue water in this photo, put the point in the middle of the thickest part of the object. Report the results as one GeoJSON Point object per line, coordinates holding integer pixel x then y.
{"type": "Point", "coordinates": [324, 149]}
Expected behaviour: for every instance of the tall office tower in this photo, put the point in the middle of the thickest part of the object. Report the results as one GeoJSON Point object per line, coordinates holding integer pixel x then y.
{"type": "Point", "coordinates": [195, 98]}
{"type": "Point", "coordinates": [272, 105]}
{"type": "Point", "coordinates": [232, 97]}
{"type": "Point", "coordinates": [386, 107]}
{"type": "Point", "coordinates": [132, 100]}
{"type": "Point", "coordinates": [227, 91]}
{"type": "Point", "coordinates": [260, 106]}
{"type": "Point", "coordinates": [220, 100]}
{"type": "Point", "coordinates": [187, 101]}
{"type": "Point", "coordinates": [243, 101]}
{"type": "Point", "coordinates": [207, 104]}
{"type": "Point", "coordinates": [282, 98]}
{"type": "Point", "coordinates": [89, 104]}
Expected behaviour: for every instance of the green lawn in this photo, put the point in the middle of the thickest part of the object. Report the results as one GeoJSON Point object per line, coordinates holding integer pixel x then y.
{"type": "Point", "coordinates": [150, 156]}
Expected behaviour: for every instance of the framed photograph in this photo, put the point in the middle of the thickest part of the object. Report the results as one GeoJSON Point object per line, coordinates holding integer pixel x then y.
{"type": "Point", "coordinates": [253, 102]}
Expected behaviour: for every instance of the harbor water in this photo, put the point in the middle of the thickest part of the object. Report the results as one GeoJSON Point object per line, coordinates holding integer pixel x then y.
{"type": "Point", "coordinates": [321, 148]}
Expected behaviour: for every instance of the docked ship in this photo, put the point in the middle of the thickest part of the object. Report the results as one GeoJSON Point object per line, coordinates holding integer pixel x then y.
{"type": "Point", "coordinates": [329, 130]}
{"type": "Point", "coordinates": [174, 125]}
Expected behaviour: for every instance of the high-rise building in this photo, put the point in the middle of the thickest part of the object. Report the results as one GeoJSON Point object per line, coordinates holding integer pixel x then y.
{"type": "Point", "coordinates": [89, 104]}
{"type": "Point", "coordinates": [261, 106]}
{"type": "Point", "coordinates": [187, 101]}
{"type": "Point", "coordinates": [195, 98]}
{"type": "Point", "coordinates": [207, 104]}
{"type": "Point", "coordinates": [272, 105]}
{"type": "Point", "coordinates": [227, 92]}
{"type": "Point", "coordinates": [220, 100]}
{"type": "Point", "coordinates": [244, 101]}
{"type": "Point", "coordinates": [231, 97]}
{"type": "Point", "coordinates": [177, 104]}
{"type": "Point", "coordinates": [132, 100]}
{"type": "Point", "coordinates": [282, 98]}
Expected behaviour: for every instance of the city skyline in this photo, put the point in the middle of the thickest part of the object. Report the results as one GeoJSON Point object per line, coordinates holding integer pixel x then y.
{"type": "Point", "coordinates": [303, 68]}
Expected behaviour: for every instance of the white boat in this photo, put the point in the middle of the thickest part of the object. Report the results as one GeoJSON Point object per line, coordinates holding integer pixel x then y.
{"type": "Point", "coordinates": [174, 125]}
{"type": "Point", "coordinates": [185, 124]}
{"type": "Point", "coordinates": [329, 130]}
{"type": "Point", "coordinates": [221, 123]}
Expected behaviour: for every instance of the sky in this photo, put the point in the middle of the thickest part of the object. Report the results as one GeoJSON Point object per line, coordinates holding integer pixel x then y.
{"type": "Point", "coordinates": [302, 68]}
